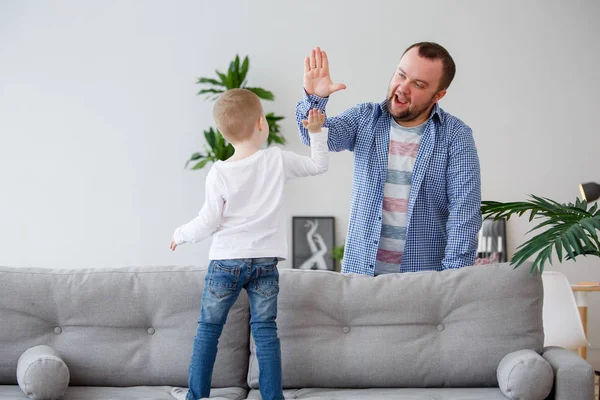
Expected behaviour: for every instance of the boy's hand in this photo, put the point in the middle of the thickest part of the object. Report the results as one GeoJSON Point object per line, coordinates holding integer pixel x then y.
{"type": "Point", "coordinates": [316, 118]}
{"type": "Point", "coordinates": [316, 75]}
{"type": "Point", "coordinates": [173, 245]}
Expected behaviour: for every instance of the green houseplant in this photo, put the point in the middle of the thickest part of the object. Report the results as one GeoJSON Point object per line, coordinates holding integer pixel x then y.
{"type": "Point", "coordinates": [568, 229]}
{"type": "Point", "coordinates": [216, 147]}
{"type": "Point", "coordinates": [338, 253]}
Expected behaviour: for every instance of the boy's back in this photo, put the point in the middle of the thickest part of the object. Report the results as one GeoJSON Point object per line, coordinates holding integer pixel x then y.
{"type": "Point", "coordinates": [252, 224]}
{"type": "Point", "coordinates": [243, 207]}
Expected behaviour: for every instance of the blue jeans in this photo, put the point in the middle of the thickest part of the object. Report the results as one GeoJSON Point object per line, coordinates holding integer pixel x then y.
{"type": "Point", "coordinates": [224, 282]}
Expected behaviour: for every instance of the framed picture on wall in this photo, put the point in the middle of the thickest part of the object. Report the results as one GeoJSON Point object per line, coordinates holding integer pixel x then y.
{"type": "Point", "coordinates": [491, 245]}
{"type": "Point", "coordinates": [313, 243]}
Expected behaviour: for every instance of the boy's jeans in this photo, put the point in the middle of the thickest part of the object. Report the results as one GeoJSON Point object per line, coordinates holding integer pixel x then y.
{"type": "Point", "coordinates": [224, 282]}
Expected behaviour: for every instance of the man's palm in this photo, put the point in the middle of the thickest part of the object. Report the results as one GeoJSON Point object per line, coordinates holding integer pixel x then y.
{"type": "Point", "coordinates": [316, 75]}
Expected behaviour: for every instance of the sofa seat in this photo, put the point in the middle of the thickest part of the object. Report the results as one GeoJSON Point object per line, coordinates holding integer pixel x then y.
{"type": "Point", "coordinates": [389, 394]}
{"type": "Point", "coordinates": [13, 392]}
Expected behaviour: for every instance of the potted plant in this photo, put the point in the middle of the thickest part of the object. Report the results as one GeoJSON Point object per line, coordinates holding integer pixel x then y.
{"type": "Point", "coordinates": [216, 147]}
{"type": "Point", "coordinates": [338, 253]}
{"type": "Point", "coordinates": [570, 229]}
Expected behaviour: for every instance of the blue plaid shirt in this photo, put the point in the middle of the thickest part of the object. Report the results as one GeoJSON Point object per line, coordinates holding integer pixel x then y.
{"type": "Point", "coordinates": [444, 215]}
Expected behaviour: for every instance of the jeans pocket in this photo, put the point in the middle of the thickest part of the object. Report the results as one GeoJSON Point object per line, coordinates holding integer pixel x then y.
{"type": "Point", "coordinates": [223, 278]}
{"type": "Point", "coordinates": [267, 280]}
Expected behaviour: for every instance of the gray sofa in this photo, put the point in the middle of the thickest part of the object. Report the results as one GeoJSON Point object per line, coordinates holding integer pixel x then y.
{"type": "Point", "coordinates": [126, 333]}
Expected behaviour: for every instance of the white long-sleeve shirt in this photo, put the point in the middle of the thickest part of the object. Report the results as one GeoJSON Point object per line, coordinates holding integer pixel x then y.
{"type": "Point", "coordinates": [244, 198]}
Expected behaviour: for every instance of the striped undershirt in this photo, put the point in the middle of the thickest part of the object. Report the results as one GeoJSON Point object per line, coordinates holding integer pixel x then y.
{"type": "Point", "coordinates": [404, 145]}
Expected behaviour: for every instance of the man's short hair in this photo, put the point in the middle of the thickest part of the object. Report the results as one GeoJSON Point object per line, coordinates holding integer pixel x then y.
{"type": "Point", "coordinates": [433, 51]}
{"type": "Point", "coordinates": [235, 113]}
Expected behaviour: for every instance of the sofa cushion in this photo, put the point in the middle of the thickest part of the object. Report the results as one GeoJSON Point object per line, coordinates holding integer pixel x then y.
{"type": "Point", "coordinates": [116, 326]}
{"type": "Point", "coordinates": [425, 329]}
{"type": "Point", "coordinates": [42, 374]}
{"type": "Point", "coordinates": [524, 374]}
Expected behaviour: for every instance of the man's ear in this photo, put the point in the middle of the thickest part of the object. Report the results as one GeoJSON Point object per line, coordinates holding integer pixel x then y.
{"type": "Point", "coordinates": [439, 96]}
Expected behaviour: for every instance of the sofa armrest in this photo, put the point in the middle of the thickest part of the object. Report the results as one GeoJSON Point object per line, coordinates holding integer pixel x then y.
{"type": "Point", "coordinates": [573, 376]}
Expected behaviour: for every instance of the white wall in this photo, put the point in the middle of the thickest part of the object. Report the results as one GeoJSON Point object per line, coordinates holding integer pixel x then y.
{"type": "Point", "coordinates": [98, 111]}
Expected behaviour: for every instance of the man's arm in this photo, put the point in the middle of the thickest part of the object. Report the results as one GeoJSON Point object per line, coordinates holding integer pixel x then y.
{"type": "Point", "coordinates": [343, 128]}
{"type": "Point", "coordinates": [209, 217]}
{"type": "Point", "coordinates": [463, 186]}
{"type": "Point", "coordinates": [318, 86]}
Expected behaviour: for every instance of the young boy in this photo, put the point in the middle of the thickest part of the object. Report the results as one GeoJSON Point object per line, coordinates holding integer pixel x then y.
{"type": "Point", "coordinates": [243, 212]}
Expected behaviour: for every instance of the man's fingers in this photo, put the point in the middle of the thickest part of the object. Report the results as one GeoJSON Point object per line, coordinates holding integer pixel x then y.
{"type": "Point", "coordinates": [304, 123]}
{"type": "Point", "coordinates": [318, 58]}
{"type": "Point", "coordinates": [325, 60]}
{"type": "Point", "coordinates": [336, 87]}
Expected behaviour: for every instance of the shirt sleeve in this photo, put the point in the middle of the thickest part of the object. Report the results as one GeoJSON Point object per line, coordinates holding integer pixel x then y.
{"type": "Point", "coordinates": [209, 217]}
{"type": "Point", "coordinates": [296, 166]}
{"type": "Point", "coordinates": [343, 128]}
{"type": "Point", "coordinates": [464, 196]}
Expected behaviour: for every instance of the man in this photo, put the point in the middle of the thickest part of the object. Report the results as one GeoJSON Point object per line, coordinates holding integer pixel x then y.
{"type": "Point", "coordinates": [416, 191]}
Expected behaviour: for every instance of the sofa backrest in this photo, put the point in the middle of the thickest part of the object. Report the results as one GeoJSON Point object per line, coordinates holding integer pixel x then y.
{"type": "Point", "coordinates": [424, 329]}
{"type": "Point", "coordinates": [116, 327]}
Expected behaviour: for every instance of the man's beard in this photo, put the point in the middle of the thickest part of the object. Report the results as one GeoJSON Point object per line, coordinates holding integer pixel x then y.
{"type": "Point", "coordinates": [410, 113]}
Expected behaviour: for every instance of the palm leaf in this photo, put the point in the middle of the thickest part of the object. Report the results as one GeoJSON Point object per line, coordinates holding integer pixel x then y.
{"type": "Point", "coordinates": [219, 147]}
{"type": "Point", "coordinates": [202, 164]}
{"type": "Point", "coordinates": [262, 93]}
{"type": "Point", "coordinates": [210, 81]}
{"type": "Point", "coordinates": [210, 91]}
{"type": "Point", "coordinates": [211, 137]}
{"type": "Point", "coordinates": [234, 71]}
{"type": "Point", "coordinates": [274, 129]}
{"type": "Point", "coordinates": [244, 70]}
{"type": "Point", "coordinates": [194, 157]}
{"type": "Point", "coordinates": [226, 79]}
{"type": "Point", "coordinates": [569, 229]}
{"type": "Point", "coordinates": [229, 151]}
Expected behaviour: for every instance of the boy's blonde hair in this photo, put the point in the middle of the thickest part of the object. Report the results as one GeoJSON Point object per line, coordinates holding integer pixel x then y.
{"type": "Point", "coordinates": [235, 113]}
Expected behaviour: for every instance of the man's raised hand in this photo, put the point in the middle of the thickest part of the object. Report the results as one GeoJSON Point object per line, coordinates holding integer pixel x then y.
{"type": "Point", "coordinates": [316, 75]}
